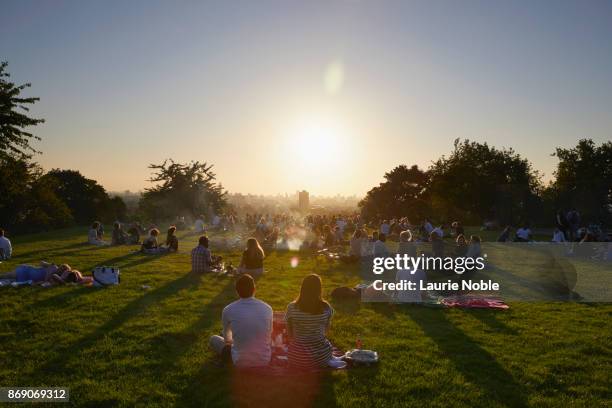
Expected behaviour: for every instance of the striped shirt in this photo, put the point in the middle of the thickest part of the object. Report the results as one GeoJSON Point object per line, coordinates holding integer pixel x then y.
{"type": "Point", "coordinates": [308, 347]}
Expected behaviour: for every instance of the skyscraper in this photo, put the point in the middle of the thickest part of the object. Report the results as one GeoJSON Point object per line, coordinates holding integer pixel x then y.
{"type": "Point", "coordinates": [303, 201]}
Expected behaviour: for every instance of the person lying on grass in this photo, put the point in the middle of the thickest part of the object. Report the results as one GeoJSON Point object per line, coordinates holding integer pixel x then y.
{"type": "Point", "coordinates": [252, 259]}
{"type": "Point", "coordinates": [308, 319]}
{"type": "Point", "coordinates": [247, 328]}
{"type": "Point", "coordinates": [38, 275]}
{"type": "Point", "coordinates": [46, 274]}
{"type": "Point", "coordinates": [65, 274]}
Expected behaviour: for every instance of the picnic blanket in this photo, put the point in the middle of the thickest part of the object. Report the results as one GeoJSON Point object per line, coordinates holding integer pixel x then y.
{"type": "Point", "coordinates": [473, 301]}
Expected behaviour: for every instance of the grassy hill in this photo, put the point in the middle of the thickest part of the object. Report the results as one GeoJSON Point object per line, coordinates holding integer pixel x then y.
{"type": "Point", "coordinates": [128, 345]}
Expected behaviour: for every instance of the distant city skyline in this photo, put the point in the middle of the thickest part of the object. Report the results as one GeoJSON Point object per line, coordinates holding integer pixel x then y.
{"type": "Point", "coordinates": [312, 95]}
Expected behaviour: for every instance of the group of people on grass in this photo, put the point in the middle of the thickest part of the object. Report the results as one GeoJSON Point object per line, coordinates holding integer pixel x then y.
{"type": "Point", "coordinates": [248, 322]}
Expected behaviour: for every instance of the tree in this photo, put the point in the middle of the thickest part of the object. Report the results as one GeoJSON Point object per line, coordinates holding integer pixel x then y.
{"type": "Point", "coordinates": [403, 193]}
{"type": "Point", "coordinates": [479, 182]}
{"type": "Point", "coordinates": [14, 139]}
{"type": "Point", "coordinates": [584, 180]}
{"type": "Point", "coordinates": [182, 189]}
{"type": "Point", "coordinates": [27, 201]}
{"type": "Point", "coordinates": [86, 199]}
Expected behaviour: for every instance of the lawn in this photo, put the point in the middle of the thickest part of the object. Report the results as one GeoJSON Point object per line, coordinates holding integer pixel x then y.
{"type": "Point", "coordinates": [127, 345]}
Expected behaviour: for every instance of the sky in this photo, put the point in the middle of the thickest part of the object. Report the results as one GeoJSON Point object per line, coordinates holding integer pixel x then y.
{"type": "Point", "coordinates": [286, 95]}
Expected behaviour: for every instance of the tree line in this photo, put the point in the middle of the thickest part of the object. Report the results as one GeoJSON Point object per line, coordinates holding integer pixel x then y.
{"type": "Point", "coordinates": [478, 182]}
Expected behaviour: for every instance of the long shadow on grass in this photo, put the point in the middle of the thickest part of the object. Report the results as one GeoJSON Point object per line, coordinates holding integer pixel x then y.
{"type": "Point", "coordinates": [78, 245]}
{"type": "Point", "coordinates": [476, 364]}
{"type": "Point", "coordinates": [489, 317]}
{"type": "Point", "coordinates": [57, 257]}
{"type": "Point", "coordinates": [133, 309]}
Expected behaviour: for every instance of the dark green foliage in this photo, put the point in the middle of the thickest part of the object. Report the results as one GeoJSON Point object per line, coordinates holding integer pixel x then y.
{"type": "Point", "coordinates": [182, 189]}
{"type": "Point", "coordinates": [27, 201]}
{"type": "Point", "coordinates": [478, 182]}
{"type": "Point", "coordinates": [14, 140]}
{"type": "Point", "coordinates": [584, 180]}
{"type": "Point", "coordinates": [404, 192]}
{"type": "Point", "coordinates": [86, 199]}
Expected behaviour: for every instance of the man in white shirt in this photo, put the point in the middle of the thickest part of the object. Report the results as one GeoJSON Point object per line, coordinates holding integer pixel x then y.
{"type": "Point", "coordinates": [6, 250]}
{"type": "Point", "coordinates": [247, 328]}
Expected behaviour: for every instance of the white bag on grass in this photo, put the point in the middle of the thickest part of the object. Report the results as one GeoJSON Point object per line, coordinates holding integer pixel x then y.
{"type": "Point", "coordinates": [106, 276]}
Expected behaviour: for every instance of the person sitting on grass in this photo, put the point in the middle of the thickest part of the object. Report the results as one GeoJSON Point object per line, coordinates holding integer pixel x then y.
{"type": "Point", "coordinates": [201, 258]}
{"type": "Point", "coordinates": [505, 234]}
{"type": "Point", "coordinates": [461, 247]}
{"type": "Point", "coordinates": [308, 319]}
{"type": "Point", "coordinates": [356, 245]}
{"type": "Point", "coordinates": [558, 236]}
{"type": "Point", "coordinates": [93, 237]}
{"type": "Point", "coordinates": [380, 248]}
{"type": "Point", "coordinates": [247, 328]}
{"type": "Point", "coordinates": [437, 244]}
{"type": "Point", "coordinates": [133, 237]}
{"type": "Point", "coordinates": [406, 245]}
{"type": "Point", "coordinates": [252, 259]}
{"type": "Point", "coordinates": [38, 275]}
{"type": "Point", "coordinates": [457, 229]}
{"type": "Point", "coordinates": [6, 250]}
{"type": "Point", "coordinates": [474, 249]}
{"type": "Point", "coordinates": [272, 238]}
{"type": "Point", "coordinates": [329, 238]}
{"type": "Point", "coordinates": [172, 240]}
{"type": "Point", "coordinates": [100, 231]}
{"type": "Point", "coordinates": [119, 236]}
{"type": "Point", "coordinates": [523, 234]}
{"type": "Point", "coordinates": [150, 245]}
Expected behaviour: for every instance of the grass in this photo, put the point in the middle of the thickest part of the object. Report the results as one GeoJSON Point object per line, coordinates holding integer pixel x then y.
{"type": "Point", "coordinates": [127, 346]}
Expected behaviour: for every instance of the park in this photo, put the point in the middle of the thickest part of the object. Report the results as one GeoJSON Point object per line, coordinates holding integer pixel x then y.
{"type": "Point", "coordinates": [315, 204]}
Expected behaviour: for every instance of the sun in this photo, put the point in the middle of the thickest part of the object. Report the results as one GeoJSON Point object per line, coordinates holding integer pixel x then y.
{"type": "Point", "coordinates": [315, 144]}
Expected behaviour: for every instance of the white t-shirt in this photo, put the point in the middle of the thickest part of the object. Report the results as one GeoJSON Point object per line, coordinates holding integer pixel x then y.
{"type": "Point", "coordinates": [523, 233]}
{"type": "Point", "coordinates": [5, 246]}
{"type": "Point", "coordinates": [247, 322]}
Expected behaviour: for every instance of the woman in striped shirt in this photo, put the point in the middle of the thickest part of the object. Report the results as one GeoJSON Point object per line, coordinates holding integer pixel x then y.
{"type": "Point", "coordinates": [308, 319]}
